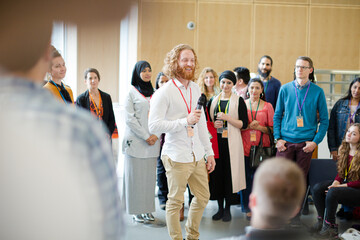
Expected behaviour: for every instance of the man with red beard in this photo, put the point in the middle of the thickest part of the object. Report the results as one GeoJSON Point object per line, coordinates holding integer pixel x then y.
{"type": "Point", "coordinates": [271, 84]}
{"type": "Point", "coordinates": [187, 154]}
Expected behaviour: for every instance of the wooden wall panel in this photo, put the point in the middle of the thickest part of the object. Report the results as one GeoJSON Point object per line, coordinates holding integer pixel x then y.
{"type": "Point", "coordinates": [98, 47]}
{"type": "Point", "coordinates": [336, 2]}
{"type": "Point", "coordinates": [224, 35]}
{"type": "Point", "coordinates": [163, 25]}
{"type": "Point", "coordinates": [334, 38]}
{"type": "Point", "coordinates": [283, 1]}
{"type": "Point", "coordinates": [281, 32]}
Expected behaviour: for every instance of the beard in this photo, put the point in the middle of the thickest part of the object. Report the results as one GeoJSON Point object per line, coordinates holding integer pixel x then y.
{"type": "Point", "coordinates": [264, 74]}
{"type": "Point", "coordinates": [182, 73]}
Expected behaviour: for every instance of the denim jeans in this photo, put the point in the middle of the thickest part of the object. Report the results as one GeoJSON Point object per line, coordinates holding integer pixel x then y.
{"type": "Point", "coordinates": [244, 194]}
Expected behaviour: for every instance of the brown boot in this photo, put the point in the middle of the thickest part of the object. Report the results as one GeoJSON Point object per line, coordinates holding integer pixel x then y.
{"type": "Point", "coordinates": [182, 213]}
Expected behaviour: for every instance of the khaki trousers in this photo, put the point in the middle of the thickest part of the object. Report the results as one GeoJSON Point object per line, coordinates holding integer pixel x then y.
{"type": "Point", "coordinates": [178, 176]}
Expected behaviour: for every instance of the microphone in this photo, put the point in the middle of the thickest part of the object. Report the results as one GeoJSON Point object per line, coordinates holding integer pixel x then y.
{"type": "Point", "coordinates": [201, 102]}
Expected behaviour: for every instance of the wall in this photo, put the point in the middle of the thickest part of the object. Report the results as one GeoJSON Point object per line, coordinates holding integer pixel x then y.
{"type": "Point", "coordinates": [98, 47]}
{"type": "Point", "coordinates": [233, 33]}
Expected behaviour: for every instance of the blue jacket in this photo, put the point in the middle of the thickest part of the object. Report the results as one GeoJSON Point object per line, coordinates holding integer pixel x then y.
{"type": "Point", "coordinates": [338, 120]}
{"type": "Point", "coordinates": [285, 124]}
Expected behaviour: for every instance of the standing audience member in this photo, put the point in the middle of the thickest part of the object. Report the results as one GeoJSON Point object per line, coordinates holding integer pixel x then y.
{"type": "Point", "coordinates": [279, 187]}
{"type": "Point", "coordinates": [271, 84]}
{"type": "Point", "coordinates": [295, 120]}
{"type": "Point", "coordinates": [345, 189]}
{"type": "Point", "coordinates": [260, 116]}
{"type": "Point", "coordinates": [98, 102]}
{"type": "Point", "coordinates": [55, 85]}
{"type": "Point", "coordinates": [344, 112]}
{"type": "Point", "coordinates": [163, 191]}
{"type": "Point", "coordinates": [57, 180]}
{"type": "Point", "coordinates": [140, 146]}
{"type": "Point", "coordinates": [172, 111]}
{"type": "Point", "coordinates": [208, 83]}
{"type": "Point", "coordinates": [228, 112]}
{"type": "Point", "coordinates": [243, 77]}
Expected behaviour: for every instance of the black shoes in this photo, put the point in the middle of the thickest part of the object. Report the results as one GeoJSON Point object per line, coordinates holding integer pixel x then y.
{"type": "Point", "coordinates": [219, 215]}
{"type": "Point", "coordinates": [227, 215]}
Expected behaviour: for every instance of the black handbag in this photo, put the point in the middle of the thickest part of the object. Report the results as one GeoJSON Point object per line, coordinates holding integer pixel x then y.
{"type": "Point", "coordinates": [259, 153]}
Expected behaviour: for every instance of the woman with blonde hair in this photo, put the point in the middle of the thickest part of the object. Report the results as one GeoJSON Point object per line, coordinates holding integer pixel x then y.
{"type": "Point", "coordinates": [57, 71]}
{"type": "Point", "coordinates": [345, 189]}
{"type": "Point", "coordinates": [208, 83]}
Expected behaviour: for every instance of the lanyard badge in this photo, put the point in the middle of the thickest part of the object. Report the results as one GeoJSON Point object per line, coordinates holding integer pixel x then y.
{"type": "Point", "coordinates": [300, 118]}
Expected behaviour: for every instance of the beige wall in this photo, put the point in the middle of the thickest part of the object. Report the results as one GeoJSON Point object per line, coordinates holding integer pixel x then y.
{"type": "Point", "coordinates": [229, 33]}
{"type": "Point", "coordinates": [98, 47]}
{"type": "Point", "coordinates": [233, 33]}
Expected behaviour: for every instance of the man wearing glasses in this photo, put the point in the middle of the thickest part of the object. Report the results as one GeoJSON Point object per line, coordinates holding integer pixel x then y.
{"type": "Point", "coordinates": [296, 127]}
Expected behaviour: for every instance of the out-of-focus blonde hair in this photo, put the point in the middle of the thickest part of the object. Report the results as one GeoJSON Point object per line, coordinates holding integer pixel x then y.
{"type": "Point", "coordinates": [172, 57]}
{"type": "Point", "coordinates": [201, 82]}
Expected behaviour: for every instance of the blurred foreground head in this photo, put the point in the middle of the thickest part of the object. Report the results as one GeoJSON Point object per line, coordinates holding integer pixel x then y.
{"type": "Point", "coordinates": [26, 26]}
{"type": "Point", "coordinates": [279, 188]}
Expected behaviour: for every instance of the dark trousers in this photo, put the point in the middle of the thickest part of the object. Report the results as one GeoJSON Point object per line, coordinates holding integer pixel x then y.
{"type": "Point", "coordinates": [295, 152]}
{"type": "Point", "coordinates": [339, 195]}
{"type": "Point", "coordinates": [244, 194]}
{"type": "Point", "coordinates": [161, 182]}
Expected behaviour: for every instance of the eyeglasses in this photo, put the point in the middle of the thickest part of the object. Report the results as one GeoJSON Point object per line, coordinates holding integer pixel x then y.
{"type": "Point", "coordinates": [302, 67]}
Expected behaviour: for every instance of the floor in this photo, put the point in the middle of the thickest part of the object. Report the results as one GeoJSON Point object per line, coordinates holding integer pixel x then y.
{"type": "Point", "coordinates": [209, 229]}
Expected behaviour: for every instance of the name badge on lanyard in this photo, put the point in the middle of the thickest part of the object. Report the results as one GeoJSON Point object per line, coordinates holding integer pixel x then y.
{"type": "Point", "coordinates": [300, 118]}
{"type": "Point", "coordinates": [224, 133]}
{"type": "Point", "coordinates": [300, 121]}
{"type": "Point", "coordinates": [252, 136]}
{"type": "Point", "coordinates": [190, 131]}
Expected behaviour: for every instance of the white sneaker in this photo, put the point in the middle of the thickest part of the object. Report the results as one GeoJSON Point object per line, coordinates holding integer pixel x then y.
{"type": "Point", "coordinates": [138, 218]}
{"type": "Point", "coordinates": [148, 216]}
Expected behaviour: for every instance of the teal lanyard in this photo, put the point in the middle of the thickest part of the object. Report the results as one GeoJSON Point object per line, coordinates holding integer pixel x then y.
{"type": "Point", "coordinates": [51, 81]}
{"type": "Point", "coordinates": [252, 117]}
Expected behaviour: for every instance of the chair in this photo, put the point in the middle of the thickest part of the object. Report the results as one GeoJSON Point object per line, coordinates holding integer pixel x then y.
{"type": "Point", "coordinates": [320, 170]}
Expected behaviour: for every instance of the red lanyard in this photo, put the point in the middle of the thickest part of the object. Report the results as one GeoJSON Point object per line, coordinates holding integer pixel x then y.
{"type": "Point", "coordinates": [188, 109]}
{"type": "Point", "coordinates": [143, 95]}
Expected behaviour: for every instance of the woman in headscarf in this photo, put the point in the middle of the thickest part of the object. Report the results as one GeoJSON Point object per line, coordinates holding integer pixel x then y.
{"type": "Point", "coordinates": [96, 101]}
{"type": "Point", "coordinates": [57, 71]}
{"type": "Point", "coordinates": [140, 147]}
{"type": "Point", "coordinates": [229, 114]}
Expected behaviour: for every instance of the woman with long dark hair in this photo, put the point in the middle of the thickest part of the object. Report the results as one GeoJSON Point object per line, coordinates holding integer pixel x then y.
{"type": "Point", "coordinates": [260, 117]}
{"type": "Point", "coordinates": [345, 111]}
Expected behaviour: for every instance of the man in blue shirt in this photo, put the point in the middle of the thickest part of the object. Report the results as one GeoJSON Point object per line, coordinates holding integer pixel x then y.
{"type": "Point", "coordinates": [300, 107]}
{"type": "Point", "coordinates": [271, 84]}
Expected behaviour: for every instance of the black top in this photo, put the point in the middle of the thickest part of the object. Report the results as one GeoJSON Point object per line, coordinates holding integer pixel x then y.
{"type": "Point", "coordinates": [63, 91]}
{"type": "Point", "coordinates": [83, 101]}
{"type": "Point", "coordinates": [242, 110]}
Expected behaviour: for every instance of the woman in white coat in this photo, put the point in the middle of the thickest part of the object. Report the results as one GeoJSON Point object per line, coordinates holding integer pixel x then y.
{"type": "Point", "coordinates": [140, 147]}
